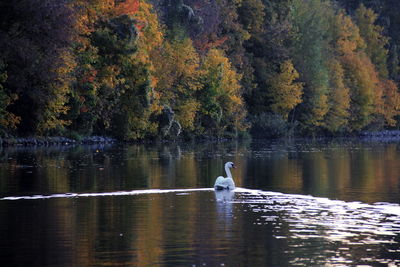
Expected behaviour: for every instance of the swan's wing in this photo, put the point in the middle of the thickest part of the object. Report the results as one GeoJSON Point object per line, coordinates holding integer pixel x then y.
{"type": "Point", "coordinates": [220, 182]}
{"type": "Point", "coordinates": [230, 183]}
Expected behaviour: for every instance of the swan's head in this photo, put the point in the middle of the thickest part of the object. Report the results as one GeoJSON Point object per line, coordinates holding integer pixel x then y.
{"type": "Point", "coordinates": [230, 165]}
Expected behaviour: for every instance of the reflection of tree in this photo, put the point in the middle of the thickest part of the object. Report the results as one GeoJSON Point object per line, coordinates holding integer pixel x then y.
{"type": "Point", "coordinates": [274, 165]}
{"type": "Point", "coordinates": [148, 231]}
{"type": "Point", "coordinates": [315, 175]}
{"type": "Point", "coordinates": [339, 171]}
{"type": "Point", "coordinates": [141, 229]}
{"type": "Point", "coordinates": [374, 171]}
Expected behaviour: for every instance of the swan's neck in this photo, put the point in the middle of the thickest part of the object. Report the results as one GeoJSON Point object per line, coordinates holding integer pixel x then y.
{"type": "Point", "coordinates": [228, 172]}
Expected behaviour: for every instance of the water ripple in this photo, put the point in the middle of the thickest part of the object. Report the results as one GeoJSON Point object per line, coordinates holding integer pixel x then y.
{"type": "Point", "coordinates": [349, 226]}
{"type": "Point", "coordinates": [343, 228]}
{"type": "Point", "coordinates": [335, 220]}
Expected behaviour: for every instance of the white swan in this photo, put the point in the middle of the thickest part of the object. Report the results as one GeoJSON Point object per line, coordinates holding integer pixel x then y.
{"type": "Point", "coordinates": [225, 182]}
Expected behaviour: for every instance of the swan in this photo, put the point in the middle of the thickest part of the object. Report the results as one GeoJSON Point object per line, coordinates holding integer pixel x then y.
{"type": "Point", "coordinates": [225, 182]}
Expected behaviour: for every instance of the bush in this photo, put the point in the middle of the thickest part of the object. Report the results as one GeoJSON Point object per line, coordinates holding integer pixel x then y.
{"type": "Point", "coordinates": [270, 125]}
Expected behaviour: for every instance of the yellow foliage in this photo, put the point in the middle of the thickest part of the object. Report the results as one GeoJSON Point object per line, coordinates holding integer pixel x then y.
{"type": "Point", "coordinates": [347, 35]}
{"type": "Point", "coordinates": [220, 76]}
{"type": "Point", "coordinates": [374, 39]}
{"type": "Point", "coordinates": [217, 64]}
{"type": "Point", "coordinates": [338, 98]}
{"type": "Point", "coordinates": [176, 68]}
{"type": "Point", "coordinates": [186, 114]}
{"type": "Point", "coordinates": [90, 11]}
{"type": "Point", "coordinates": [150, 33]}
{"type": "Point", "coordinates": [362, 79]}
{"type": "Point", "coordinates": [285, 92]}
{"type": "Point", "coordinates": [108, 76]}
{"type": "Point", "coordinates": [8, 120]}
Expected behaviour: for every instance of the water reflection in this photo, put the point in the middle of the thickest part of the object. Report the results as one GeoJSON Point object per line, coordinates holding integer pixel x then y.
{"type": "Point", "coordinates": [87, 206]}
{"type": "Point", "coordinates": [341, 232]}
{"type": "Point", "coordinates": [225, 212]}
{"type": "Point", "coordinates": [224, 197]}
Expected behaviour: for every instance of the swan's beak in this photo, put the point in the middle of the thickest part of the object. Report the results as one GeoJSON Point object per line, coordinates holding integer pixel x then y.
{"type": "Point", "coordinates": [233, 167]}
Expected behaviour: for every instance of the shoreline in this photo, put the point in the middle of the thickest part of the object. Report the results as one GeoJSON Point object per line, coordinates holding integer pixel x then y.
{"type": "Point", "coordinates": [54, 141]}
{"type": "Point", "coordinates": [376, 136]}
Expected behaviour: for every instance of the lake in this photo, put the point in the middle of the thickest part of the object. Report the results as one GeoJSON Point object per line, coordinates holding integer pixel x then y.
{"type": "Point", "coordinates": [298, 203]}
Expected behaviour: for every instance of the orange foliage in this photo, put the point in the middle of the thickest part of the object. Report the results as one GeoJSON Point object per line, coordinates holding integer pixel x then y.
{"type": "Point", "coordinates": [128, 7]}
{"type": "Point", "coordinates": [391, 99]}
{"type": "Point", "coordinates": [347, 35]}
{"type": "Point", "coordinates": [84, 109]}
{"type": "Point", "coordinates": [89, 77]}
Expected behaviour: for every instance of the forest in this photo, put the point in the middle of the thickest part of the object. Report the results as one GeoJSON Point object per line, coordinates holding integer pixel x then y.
{"type": "Point", "coordinates": [167, 69]}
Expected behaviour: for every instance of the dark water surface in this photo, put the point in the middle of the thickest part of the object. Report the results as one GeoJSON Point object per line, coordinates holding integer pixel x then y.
{"type": "Point", "coordinates": [298, 204]}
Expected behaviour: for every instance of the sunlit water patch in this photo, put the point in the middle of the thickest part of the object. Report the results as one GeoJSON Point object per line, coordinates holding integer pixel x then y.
{"type": "Point", "coordinates": [353, 231]}
{"type": "Point", "coordinates": [310, 231]}
{"type": "Point", "coordinates": [105, 194]}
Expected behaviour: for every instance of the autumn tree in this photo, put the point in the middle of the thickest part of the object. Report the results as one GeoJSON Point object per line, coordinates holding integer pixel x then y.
{"type": "Point", "coordinates": [251, 15]}
{"type": "Point", "coordinates": [222, 108]}
{"type": "Point", "coordinates": [125, 96]}
{"type": "Point", "coordinates": [8, 121]}
{"type": "Point", "coordinates": [269, 49]}
{"type": "Point", "coordinates": [391, 102]}
{"type": "Point", "coordinates": [311, 21]}
{"type": "Point", "coordinates": [362, 80]}
{"type": "Point", "coordinates": [233, 30]}
{"type": "Point", "coordinates": [178, 79]}
{"type": "Point", "coordinates": [35, 42]}
{"type": "Point", "coordinates": [375, 41]}
{"type": "Point", "coordinates": [360, 75]}
{"type": "Point", "coordinates": [337, 117]}
{"type": "Point", "coordinates": [83, 97]}
{"type": "Point", "coordinates": [285, 91]}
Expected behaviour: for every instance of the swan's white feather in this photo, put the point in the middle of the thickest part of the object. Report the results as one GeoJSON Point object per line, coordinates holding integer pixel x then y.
{"type": "Point", "coordinates": [225, 183]}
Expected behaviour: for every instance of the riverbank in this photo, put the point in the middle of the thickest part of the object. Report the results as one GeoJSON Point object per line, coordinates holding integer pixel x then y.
{"type": "Point", "coordinates": [378, 136]}
{"type": "Point", "coordinates": [387, 135]}
{"type": "Point", "coordinates": [55, 140]}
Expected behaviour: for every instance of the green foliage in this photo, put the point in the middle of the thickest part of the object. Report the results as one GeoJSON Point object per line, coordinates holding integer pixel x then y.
{"type": "Point", "coordinates": [311, 21]}
{"type": "Point", "coordinates": [83, 97]}
{"type": "Point", "coordinates": [222, 108]}
{"type": "Point", "coordinates": [374, 39]}
{"type": "Point", "coordinates": [8, 121]}
{"type": "Point", "coordinates": [130, 121]}
{"type": "Point", "coordinates": [251, 14]}
{"type": "Point", "coordinates": [122, 98]}
{"type": "Point", "coordinates": [270, 125]}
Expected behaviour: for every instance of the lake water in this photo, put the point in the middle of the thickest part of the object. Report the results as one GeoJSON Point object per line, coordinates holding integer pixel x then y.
{"type": "Point", "coordinates": [297, 204]}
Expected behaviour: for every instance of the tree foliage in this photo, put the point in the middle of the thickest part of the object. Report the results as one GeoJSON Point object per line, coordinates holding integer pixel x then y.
{"type": "Point", "coordinates": [176, 69]}
{"type": "Point", "coordinates": [337, 117]}
{"type": "Point", "coordinates": [311, 20]}
{"type": "Point", "coordinates": [35, 43]}
{"type": "Point", "coordinates": [285, 91]}
{"type": "Point", "coordinates": [139, 69]}
{"type": "Point", "coordinates": [374, 39]}
{"type": "Point", "coordinates": [222, 107]}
